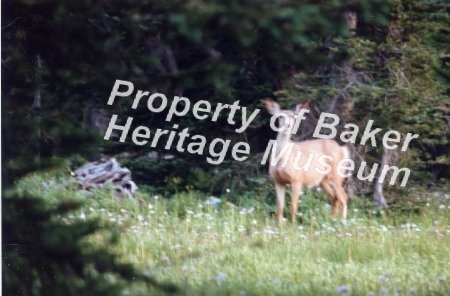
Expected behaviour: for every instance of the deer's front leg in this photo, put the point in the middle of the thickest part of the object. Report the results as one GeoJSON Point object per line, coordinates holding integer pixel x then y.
{"type": "Point", "coordinates": [296, 190]}
{"type": "Point", "coordinates": [280, 202]}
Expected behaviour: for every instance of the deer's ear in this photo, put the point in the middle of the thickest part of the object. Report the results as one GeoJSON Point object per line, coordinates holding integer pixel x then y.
{"type": "Point", "coordinates": [304, 105]}
{"type": "Point", "coordinates": [271, 106]}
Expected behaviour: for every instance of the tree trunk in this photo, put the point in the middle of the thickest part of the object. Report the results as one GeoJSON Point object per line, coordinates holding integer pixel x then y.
{"type": "Point", "coordinates": [378, 190]}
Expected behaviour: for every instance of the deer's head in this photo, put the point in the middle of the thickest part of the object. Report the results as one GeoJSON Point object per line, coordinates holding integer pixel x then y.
{"type": "Point", "coordinates": [286, 118]}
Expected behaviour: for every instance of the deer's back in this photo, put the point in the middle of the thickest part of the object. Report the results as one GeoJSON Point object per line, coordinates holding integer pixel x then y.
{"type": "Point", "coordinates": [309, 177]}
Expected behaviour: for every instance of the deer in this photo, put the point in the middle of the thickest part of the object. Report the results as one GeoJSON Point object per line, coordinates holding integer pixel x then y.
{"type": "Point", "coordinates": [332, 153]}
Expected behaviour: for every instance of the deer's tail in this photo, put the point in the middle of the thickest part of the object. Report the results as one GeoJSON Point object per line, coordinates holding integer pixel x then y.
{"type": "Point", "coordinates": [346, 151]}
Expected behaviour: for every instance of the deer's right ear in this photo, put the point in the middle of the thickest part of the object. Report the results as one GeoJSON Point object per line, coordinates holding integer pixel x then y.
{"type": "Point", "coordinates": [271, 106]}
{"type": "Point", "coordinates": [304, 105]}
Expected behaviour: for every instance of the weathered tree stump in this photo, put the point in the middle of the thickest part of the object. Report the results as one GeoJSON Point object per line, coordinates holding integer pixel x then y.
{"type": "Point", "coordinates": [106, 173]}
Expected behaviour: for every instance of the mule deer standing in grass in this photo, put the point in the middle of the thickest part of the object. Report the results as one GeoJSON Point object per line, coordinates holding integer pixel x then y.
{"type": "Point", "coordinates": [326, 155]}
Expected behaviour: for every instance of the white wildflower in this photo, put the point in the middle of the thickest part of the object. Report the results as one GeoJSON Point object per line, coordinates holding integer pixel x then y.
{"type": "Point", "coordinates": [176, 246]}
{"type": "Point", "coordinates": [220, 277]}
{"type": "Point", "coordinates": [212, 201]}
{"type": "Point", "coordinates": [342, 289]}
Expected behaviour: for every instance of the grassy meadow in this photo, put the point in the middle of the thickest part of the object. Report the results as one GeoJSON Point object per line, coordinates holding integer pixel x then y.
{"type": "Point", "coordinates": [233, 247]}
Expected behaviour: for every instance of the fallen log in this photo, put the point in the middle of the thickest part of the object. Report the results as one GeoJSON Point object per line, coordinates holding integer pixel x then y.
{"type": "Point", "coordinates": [106, 173]}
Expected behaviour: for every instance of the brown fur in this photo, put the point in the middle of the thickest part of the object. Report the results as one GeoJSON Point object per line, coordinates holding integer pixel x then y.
{"type": "Point", "coordinates": [332, 182]}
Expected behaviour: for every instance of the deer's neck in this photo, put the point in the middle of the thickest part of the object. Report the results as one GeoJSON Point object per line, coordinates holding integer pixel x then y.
{"type": "Point", "coordinates": [283, 138]}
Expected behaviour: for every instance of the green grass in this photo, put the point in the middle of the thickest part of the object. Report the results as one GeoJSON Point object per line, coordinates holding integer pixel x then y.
{"type": "Point", "coordinates": [236, 249]}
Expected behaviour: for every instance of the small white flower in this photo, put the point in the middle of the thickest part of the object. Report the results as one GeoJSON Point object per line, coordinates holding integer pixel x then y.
{"type": "Point", "coordinates": [342, 289]}
{"type": "Point", "coordinates": [220, 277]}
{"type": "Point", "coordinates": [165, 260]}
{"type": "Point", "coordinates": [212, 201]}
{"type": "Point", "coordinates": [269, 231]}
{"type": "Point", "coordinates": [187, 268]}
{"type": "Point", "coordinates": [385, 276]}
{"type": "Point", "coordinates": [245, 211]}
{"type": "Point", "coordinates": [176, 246]}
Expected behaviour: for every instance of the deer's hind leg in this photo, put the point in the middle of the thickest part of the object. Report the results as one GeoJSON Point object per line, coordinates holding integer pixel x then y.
{"type": "Point", "coordinates": [328, 187]}
{"type": "Point", "coordinates": [338, 198]}
{"type": "Point", "coordinates": [342, 197]}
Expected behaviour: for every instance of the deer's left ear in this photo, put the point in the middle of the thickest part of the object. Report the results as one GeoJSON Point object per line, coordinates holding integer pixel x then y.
{"type": "Point", "coordinates": [271, 106]}
{"type": "Point", "coordinates": [304, 105]}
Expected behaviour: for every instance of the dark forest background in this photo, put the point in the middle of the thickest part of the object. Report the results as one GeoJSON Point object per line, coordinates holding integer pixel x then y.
{"type": "Point", "coordinates": [380, 60]}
